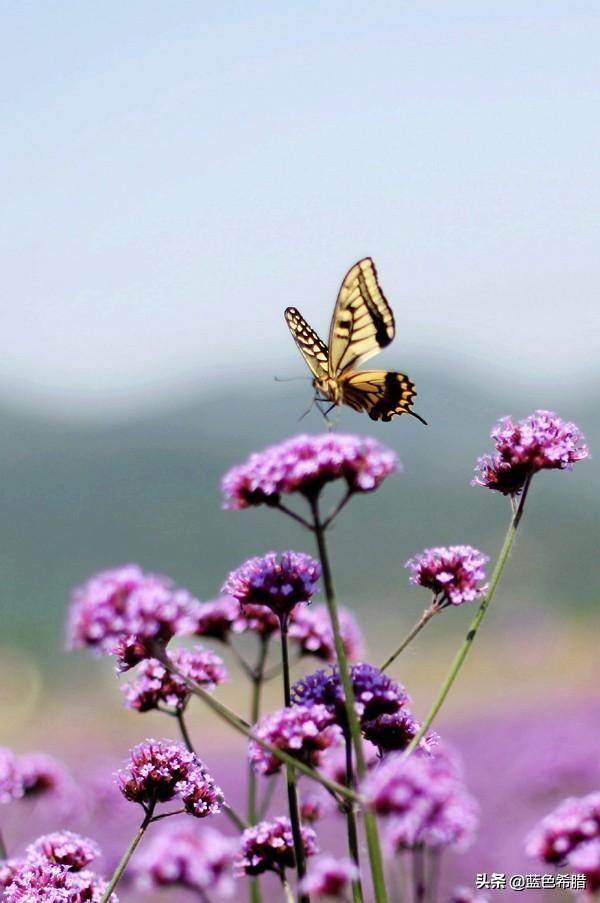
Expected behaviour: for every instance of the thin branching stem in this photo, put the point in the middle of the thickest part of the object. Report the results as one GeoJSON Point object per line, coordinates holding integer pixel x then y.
{"type": "Point", "coordinates": [416, 630]}
{"type": "Point", "coordinates": [133, 845]}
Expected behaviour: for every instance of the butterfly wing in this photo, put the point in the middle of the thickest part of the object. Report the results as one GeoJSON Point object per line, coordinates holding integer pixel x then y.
{"type": "Point", "coordinates": [362, 322]}
{"type": "Point", "coordinates": [381, 393]}
{"type": "Point", "coordinates": [312, 348]}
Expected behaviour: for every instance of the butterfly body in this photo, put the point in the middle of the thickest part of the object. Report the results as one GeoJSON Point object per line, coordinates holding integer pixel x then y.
{"type": "Point", "coordinates": [361, 326]}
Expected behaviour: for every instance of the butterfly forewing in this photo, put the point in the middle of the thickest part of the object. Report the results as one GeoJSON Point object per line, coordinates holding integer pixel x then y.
{"type": "Point", "coordinates": [381, 393]}
{"type": "Point", "coordinates": [362, 322]}
{"type": "Point", "coordinates": [312, 348]}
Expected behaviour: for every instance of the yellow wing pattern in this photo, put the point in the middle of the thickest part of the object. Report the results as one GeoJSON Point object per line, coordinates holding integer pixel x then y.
{"type": "Point", "coordinates": [312, 348]}
{"type": "Point", "coordinates": [362, 322]}
{"type": "Point", "coordinates": [382, 394]}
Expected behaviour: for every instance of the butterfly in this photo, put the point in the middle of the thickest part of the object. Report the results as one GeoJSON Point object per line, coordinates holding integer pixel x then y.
{"type": "Point", "coordinates": [361, 326]}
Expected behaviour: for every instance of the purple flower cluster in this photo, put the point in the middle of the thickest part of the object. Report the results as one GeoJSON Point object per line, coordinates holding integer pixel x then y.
{"type": "Point", "coordinates": [329, 877]}
{"type": "Point", "coordinates": [154, 685]}
{"type": "Point", "coordinates": [304, 464]}
{"type": "Point", "coordinates": [452, 573]}
{"type": "Point", "coordinates": [214, 619]}
{"type": "Point", "coordinates": [311, 628]}
{"type": "Point", "coordinates": [424, 800]}
{"type": "Point", "coordinates": [302, 731]}
{"type": "Point", "coordinates": [269, 847]}
{"type": "Point", "coordinates": [540, 442]}
{"type": "Point", "coordinates": [381, 704]}
{"type": "Point", "coordinates": [120, 610]}
{"type": "Point", "coordinates": [585, 860]}
{"type": "Point", "coordinates": [277, 582]}
{"type": "Point", "coordinates": [160, 770]}
{"type": "Point", "coordinates": [575, 821]}
{"type": "Point", "coordinates": [54, 869]}
{"type": "Point", "coordinates": [197, 859]}
{"type": "Point", "coordinates": [32, 775]}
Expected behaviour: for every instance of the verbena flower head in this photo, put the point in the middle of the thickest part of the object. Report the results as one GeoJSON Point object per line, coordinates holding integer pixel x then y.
{"type": "Point", "coordinates": [43, 775]}
{"type": "Point", "coordinates": [329, 877]}
{"type": "Point", "coordinates": [425, 800]}
{"type": "Point", "coordinates": [129, 651]}
{"type": "Point", "coordinates": [310, 627]}
{"type": "Point", "coordinates": [540, 442]}
{"type": "Point", "coordinates": [256, 619]}
{"type": "Point", "coordinates": [66, 849]}
{"type": "Point", "coordinates": [269, 847]}
{"type": "Point", "coordinates": [304, 464]}
{"type": "Point", "coordinates": [193, 858]}
{"type": "Point", "coordinates": [374, 692]}
{"type": "Point", "coordinates": [585, 860]}
{"type": "Point", "coordinates": [116, 608]}
{"type": "Point", "coordinates": [395, 731]}
{"type": "Point", "coordinates": [454, 574]}
{"type": "Point", "coordinates": [39, 879]}
{"type": "Point", "coordinates": [154, 685]}
{"type": "Point", "coordinates": [215, 619]}
{"type": "Point", "coordinates": [278, 582]}
{"type": "Point", "coordinates": [159, 770]}
{"type": "Point", "coordinates": [302, 731]}
{"type": "Point", "coordinates": [11, 780]}
{"type": "Point", "coordinates": [575, 820]}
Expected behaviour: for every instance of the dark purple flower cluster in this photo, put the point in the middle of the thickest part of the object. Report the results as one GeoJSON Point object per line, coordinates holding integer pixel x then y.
{"type": "Point", "coordinates": [278, 582]}
{"type": "Point", "coordinates": [214, 619]}
{"type": "Point", "coordinates": [540, 442]}
{"type": "Point", "coordinates": [197, 859]}
{"type": "Point", "coordinates": [329, 877]}
{"type": "Point", "coordinates": [381, 704]}
{"type": "Point", "coordinates": [452, 573]}
{"type": "Point", "coordinates": [304, 464]}
{"type": "Point", "coordinates": [575, 821]}
{"type": "Point", "coordinates": [302, 731]}
{"type": "Point", "coordinates": [269, 847]}
{"type": "Point", "coordinates": [160, 770]}
{"type": "Point", "coordinates": [154, 685]}
{"type": "Point", "coordinates": [54, 869]}
{"type": "Point", "coordinates": [120, 610]}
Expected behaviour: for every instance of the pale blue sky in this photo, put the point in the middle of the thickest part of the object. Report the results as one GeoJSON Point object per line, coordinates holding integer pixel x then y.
{"type": "Point", "coordinates": [175, 174]}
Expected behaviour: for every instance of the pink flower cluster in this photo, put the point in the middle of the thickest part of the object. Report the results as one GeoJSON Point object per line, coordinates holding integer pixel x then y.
{"type": "Point", "coordinates": [269, 847]}
{"type": "Point", "coordinates": [304, 464]}
{"type": "Point", "coordinates": [452, 573]}
{"type": "Point", "coordinates": [279, 582]}
{"type": "Point", "coordinates": [424, 800]}
{"type": "Point", "coordinates": [191, 857]}
{"type": "Point", "coordinates": [160, 770]}
{"type": "Point", "coordinates": [154, 685]}
{"type": "Point", "coordinates": [302, 731]}
{"type": "Point", "coordinates": [54, 869]}
{"type": "Point", "coordinates": [575, 821]}
{"type": "Point", "coordinates": [329, 877]}
{"type": "Point", "coordinates": [31, 775]}
{"type": "Point", "coordinates": [540, 442]}
{"type": "Point", "coordinates": [120, 610]}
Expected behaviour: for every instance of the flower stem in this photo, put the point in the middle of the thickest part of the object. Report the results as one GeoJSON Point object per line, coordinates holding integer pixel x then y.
{"type": "Point", "coordinates": [475, 623]}
{"type": "Point", "coordinates": [290, 773]}
{"type": "Point", "coordinates": [357, 892]}
{"type": "Point", "coordinates": [289, 896]}
{"type": "Point", "coordinates": [243, 727]}
{"type": "Point", "coordinates": [371, 832]}
{"type": "Point", "coordinates": [425, 617]}
{"type": "Point", "coordinates": [419, 886]}
{"type": "Point", "coordinates": [118, 872]}
{"type": "Point", "coordinates": [3, 850]}
{"type": "Point", "coordinates": [256, 678]}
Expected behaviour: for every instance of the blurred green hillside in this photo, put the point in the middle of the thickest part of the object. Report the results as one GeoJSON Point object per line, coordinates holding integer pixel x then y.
{"type": "Point", "coordinates": [81, 496]}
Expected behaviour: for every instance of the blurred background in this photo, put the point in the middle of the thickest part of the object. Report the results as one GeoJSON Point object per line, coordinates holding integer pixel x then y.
{"type": "Point", "coordinates": [176, 175]}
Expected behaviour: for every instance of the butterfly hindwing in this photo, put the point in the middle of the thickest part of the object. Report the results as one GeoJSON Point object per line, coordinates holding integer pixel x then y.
{"type": "Point", "coordinates": [381, 393]}
{"type": "Point", "coordinates": [362, 322]}
{"type": "Point", "coordinates": [312, 348]}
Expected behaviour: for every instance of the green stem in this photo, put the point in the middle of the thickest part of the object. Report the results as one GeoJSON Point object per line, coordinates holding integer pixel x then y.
{"type": "Point", "coordinates": [475, 624]}
{"type": "Point", "coordinates": [256, 677]}
{"type": "Point", "coordinates": [118, 872]}
{"type": "Point", "coordinates": [357, 892]}
{"type": "Point", "coordinates": [289, 896]}
{"type": "Point", "coordinates": [290, 773]}
{"type": "Point", "coordinates": [425, 617]}
{"type": "Point", "coordinates": [243, 727]}
{"type": "Point", "coordinates": [3, 850]}
{"type": "Point", "coordinates": [371, 832]}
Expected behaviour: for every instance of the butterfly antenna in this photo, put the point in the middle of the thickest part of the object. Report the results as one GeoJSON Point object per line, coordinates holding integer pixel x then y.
{"type": "Point", "coordinates": [290, 379]}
